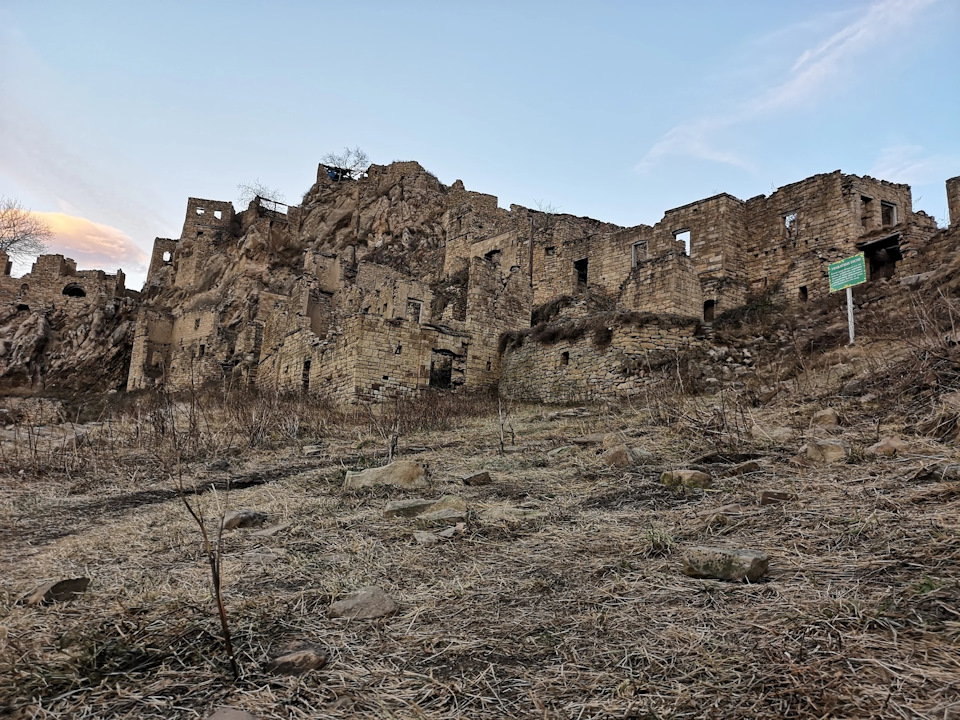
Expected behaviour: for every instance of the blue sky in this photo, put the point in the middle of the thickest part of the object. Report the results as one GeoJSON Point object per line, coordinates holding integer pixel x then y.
{"type": "Point", "coordinates": [112, 114]}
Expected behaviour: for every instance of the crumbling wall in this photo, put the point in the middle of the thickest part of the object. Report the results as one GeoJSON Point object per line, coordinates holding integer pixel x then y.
{"type": "Point", "coordinates": [582, 370]}
{"type": "Point", "coordinates": [55, 282]}
{"type": "Point", "coordinates": [664, 284]}
{"type": "Point", "coordinates": [953, 200]}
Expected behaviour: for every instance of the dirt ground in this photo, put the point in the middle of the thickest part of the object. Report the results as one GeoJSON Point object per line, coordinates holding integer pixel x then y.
{"type": "Point", "coordinates": [569, 603]}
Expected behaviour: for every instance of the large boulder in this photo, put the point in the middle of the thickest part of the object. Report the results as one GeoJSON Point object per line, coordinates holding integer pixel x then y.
{"type": "Point", "coordinates": [401, 473]}
{"type": "Point", "coordinates": [826, 452]}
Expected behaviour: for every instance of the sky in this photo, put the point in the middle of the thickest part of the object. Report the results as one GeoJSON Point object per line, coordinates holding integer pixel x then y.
{"type": "Point", "coordinates": [112, 114]}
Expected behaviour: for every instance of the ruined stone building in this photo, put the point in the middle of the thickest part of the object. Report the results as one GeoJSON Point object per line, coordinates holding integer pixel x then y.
{"type": "Point", "coordinates": [55, 281]}
{"type": "Point", "coordinates": [393, 283]}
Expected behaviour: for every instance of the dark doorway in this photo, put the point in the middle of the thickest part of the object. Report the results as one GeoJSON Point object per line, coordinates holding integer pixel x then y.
{"type": "Point", "coordinates": [708, 309]}
{"type": "Point", "coordinates": [74, 290]}
{"type": "Point", "coordinates": [581, 267]}
{"type": "Point", "coordinates": [305, 378]}
{"type": "Point", "coordinates": [882, 256]}
{"type": "Point", "coordinates": [803, 293]}
{"type": "Point", "coordinates": [441, 369]}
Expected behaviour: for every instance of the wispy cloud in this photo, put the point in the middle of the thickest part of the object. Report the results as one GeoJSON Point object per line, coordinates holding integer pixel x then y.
{"type": "Point", "coordinates": [93, 245]}
{"type": "Point", "coordinates": [813, 74]}
{"type": "Point", "coordinates": [913, 165]}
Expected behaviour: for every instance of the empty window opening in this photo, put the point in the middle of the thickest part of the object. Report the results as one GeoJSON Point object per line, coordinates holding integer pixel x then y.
{"type": "Point", "coordinates": [494, 256]}
{"type": "Point", "coordinates": [74, 290]}
{"type": "Point", "coordinates": [218, 214]}
{"type": "Point", "coordinates": [790, 224]}
{"type": "Point", "coordinates": [709, 307]}
{"type": "Point", "coordinates": [441, 369]}
{"type": "Point", "coordinates": [21, 307]}
{"type": "Point", "coordinates": [888, 214]}
{"type": "Point", "coordinates": [305, 375]}
{"type": "Point", "coordinates": [203, 351]}
{"type": "Point", "coordinates": [684, 237]}
{"type": "Point", "coordinates": [489, 364]}
{"type": "Point", "coordinates": [398, 350]}
{"type": "Point", "coordinates": [550, 251]}
{"type": "Point", "coordinates": [882, 256]}
{"type": "Point", "coordinates": [196, 323]}
{"type": "Point", "coordinates": [414, 309]}
{"type": "Point", "coordinates": [803, 293]}
{"type": "Point", "coordinates": [639, 252]}
{"type": "Point", "coordinates": [199, 233]}
{"type": "Point", "coordinates": [386, 377]}
{"type": "Point", "coordinates": [24, 289]}
{"type": "Point", "coordinates": [581, 267]}
{"type": "Point", "coordinates": [866, 212]}
{"type": "Point", "coordinates": [565, 358]}
{"type": "Point", "coordinates": [200, 211]}
{"type": "Point", "coordinates": [167, 256]}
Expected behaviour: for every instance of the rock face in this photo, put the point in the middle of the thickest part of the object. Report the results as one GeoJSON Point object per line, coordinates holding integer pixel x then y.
{"type": "Point", "coordinates": [400, 473]}
{"type": "Point", "coordinates": [723, 564]}
{"type": "Point", "coordinates": [371, 602]}
{"type": "Point", "coordinates": [297, 663]}
{"type": "Point", "coordinates": [686, 478]}
{"type": "Point", "coordinates": [56, 591]}
{"type": "Point", "coordinates": [243, 519]}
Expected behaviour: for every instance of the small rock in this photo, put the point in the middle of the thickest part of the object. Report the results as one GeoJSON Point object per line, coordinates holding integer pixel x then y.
{"type": "Point", "coordinates": [888, 447]}
{"type": "Point", "coordinates": [310, 450]}
{"type": "Point", "coordinates": [243, 519]}
{"type": "Point", "coordinates": [686, 478]}
{"type": "Point", "coordinates": [618, 456]}
{"type": "Point", "coordinates": [507, 513]}
{"type": "Point", "coordinates": [426, 538]}
{"type": "Point", "coordinates": [591, 439]}
{"type": "Point", "coordinates": [770, 497]}
{"type": "Point", "coordinates": [851, 388]}
{"type": "Point", "coordinates": [297, 663]}
{"type": "Point", "coordinates": [826, 418]}
{"type": "Point", "coordinates": [825, 452]}
{"type": "Point", "coordinates": [370, 602]}
{"type": "Point", "coordinates": [219, 465]}
{"type": "Point", "coordinates": [401, 473]}
{"type": "Point", "coordinates": [227, 713]}
{"type": "Point", "coordinates": [480, 478]}
{"type": "Point", "coordinates": [772, 433]}
{"type": "Point", "coordinates": [563, 450]}
{"type": "Point", "coordinates": [749, 466]}
{"type": "Point", "coordinates": [447, 507]}
{"type": "Point", "coordinates": [56, 591]}
{"type": "Point", "coordinates": [723, 564]}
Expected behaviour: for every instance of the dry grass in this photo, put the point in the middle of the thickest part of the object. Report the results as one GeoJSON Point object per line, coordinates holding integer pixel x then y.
{"type": "Point", "coordinates": [579, 612]}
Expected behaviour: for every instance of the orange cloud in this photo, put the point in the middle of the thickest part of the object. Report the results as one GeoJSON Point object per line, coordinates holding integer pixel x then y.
{"type": "Point", "coordinates": [93, 245]}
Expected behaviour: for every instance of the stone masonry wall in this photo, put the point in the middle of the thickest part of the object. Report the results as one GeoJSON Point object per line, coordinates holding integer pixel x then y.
{"type": "Point", "coordinates": [578, 371]}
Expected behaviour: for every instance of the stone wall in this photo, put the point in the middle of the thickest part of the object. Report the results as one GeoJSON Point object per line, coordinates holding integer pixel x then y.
{"type": "Point", "coordinates": [953, 200]}
{"type": "Point", "coordinates": [664, 284]}
{"type": "Point", "coordinates": [581, 370]}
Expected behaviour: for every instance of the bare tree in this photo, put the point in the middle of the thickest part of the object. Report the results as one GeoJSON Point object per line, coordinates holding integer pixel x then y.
{"type": "Point", "coordinates": [249, 191]}
{"type": "Point", "coordinates": [351, 163]}
{"type": "Point", "coordinates": [22, 234]}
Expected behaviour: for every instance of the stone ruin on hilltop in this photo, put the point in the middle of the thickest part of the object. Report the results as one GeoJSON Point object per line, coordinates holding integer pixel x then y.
{"type": "Point", "coordinates": [392, 283]}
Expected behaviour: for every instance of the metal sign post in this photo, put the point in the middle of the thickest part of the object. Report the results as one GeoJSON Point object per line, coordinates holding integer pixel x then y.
{"type": "Point", "coordinates": [844, 275]}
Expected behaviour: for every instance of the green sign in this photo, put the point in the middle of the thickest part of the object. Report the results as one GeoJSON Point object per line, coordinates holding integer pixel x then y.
{"type": "Point", "coordinates": [848, 272]}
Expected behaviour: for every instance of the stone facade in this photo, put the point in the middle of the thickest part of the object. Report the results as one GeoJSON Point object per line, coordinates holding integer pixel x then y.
{"type": "Point", "coordinates": [391, 283]}
{"type": "Point", "coordinates": [54, 281]}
